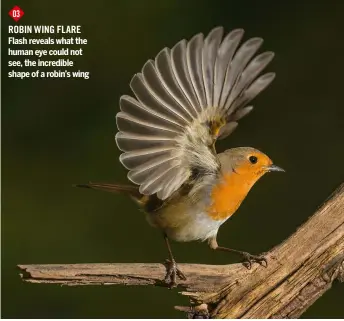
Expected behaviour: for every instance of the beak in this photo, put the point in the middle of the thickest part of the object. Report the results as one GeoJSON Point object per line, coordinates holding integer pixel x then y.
{"type": "Point", "coordinates": [274, 168]}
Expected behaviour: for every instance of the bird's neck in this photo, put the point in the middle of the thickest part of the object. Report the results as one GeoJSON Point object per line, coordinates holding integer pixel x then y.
{"type": "Point", "coordinates": [229, 192]}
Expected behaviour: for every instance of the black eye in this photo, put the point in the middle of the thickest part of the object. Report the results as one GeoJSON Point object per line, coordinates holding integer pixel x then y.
{"type": "Point", "coordinates": [253, 159]}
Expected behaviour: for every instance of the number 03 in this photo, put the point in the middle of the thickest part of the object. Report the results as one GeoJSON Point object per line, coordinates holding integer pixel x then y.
{"type": "Point", "coordinates": [16, 14]}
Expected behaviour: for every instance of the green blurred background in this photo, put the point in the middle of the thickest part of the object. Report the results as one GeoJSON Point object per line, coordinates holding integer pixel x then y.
{"type": "Point", "coordinates": [59, 132]}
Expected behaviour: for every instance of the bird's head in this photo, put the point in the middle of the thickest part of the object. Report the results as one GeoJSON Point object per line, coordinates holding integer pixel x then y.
{"type": "Point", "coordinates": [247, 161]}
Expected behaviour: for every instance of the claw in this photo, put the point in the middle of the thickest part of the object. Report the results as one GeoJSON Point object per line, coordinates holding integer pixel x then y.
{"type": "Point", "coordinates": [249, 258]}
{"type": "Point", "coordinates": [172, 272]}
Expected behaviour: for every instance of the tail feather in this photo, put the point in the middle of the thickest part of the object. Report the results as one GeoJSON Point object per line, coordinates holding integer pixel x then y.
{"type": "Point", "coordinates": [130, 190]}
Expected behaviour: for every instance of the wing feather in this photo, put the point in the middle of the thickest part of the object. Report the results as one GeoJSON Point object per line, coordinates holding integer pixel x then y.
{"type": "Point", "coordinates": [161, 176]}
{"type": "Point", "coordinates": [179, 67]}
{"type": "Point", "coordinates": [129, 123]}
{"type": "Point", "coordinates": [148, 98]}
{"type": "Point", "coordinates": [173, 183]}
{"type": "Point", "coordinates": [194, 63]}
{"type": "Point", "coordinates": [132, 160]}
{"type": "Point", "coordinates": [225, 54]}
{"type": "Point", "coordinates": [253, 90]}
{"type": "Point", "coordinates": [164, 69]}
{"type": "Point", "coordinates": [161, 92]}
{"type": "Point", "coordinates": [236, 66]}
{"type": "Point", "coordinates": [209, 53]}
{"type": "Point", "coordinates": [131, 106]}
{"type": "Point", "coordinates": [127, 142]}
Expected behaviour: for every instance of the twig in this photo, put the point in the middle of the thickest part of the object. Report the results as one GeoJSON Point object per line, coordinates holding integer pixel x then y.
{"type": "Point", "coordinates": [300, 270]}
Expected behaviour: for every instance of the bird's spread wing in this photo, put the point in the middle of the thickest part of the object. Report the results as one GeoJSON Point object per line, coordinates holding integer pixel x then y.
{"type": "Point", "coordinates": [185, 99]}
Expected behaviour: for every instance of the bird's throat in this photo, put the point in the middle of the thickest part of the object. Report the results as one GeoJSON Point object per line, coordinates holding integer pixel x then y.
{"type": "Point", "coordinates": [228, 194]}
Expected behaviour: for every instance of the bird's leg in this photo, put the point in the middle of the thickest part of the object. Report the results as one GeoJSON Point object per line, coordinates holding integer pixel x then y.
{"type": "Point", "coordinates": [171, 267]}
{"type": "Point", "coordinates": [248, 258]}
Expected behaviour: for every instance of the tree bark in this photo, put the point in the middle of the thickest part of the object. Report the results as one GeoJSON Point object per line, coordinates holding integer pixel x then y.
{"type": "Point", "coordinates": [300, 270]}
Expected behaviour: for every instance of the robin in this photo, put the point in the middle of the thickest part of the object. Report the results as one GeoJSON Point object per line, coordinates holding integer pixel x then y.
{"type": "Point", "coordinates": [185, 100]}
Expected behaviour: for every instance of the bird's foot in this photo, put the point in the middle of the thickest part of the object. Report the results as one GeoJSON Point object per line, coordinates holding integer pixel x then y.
{"type": "Point", "coordinates": [249, 259]}
{"type": "Point", "coordinates": [172, 272]}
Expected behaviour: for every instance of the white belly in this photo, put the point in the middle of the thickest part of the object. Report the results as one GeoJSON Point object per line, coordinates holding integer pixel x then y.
{"type": "Point", "coordinates": [185, 225]}
{"type": "Point", "coordinates": [202, 227]}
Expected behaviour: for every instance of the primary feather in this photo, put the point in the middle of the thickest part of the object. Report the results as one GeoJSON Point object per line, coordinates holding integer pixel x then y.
{"type": "Point", "coordinates": [185, 99]}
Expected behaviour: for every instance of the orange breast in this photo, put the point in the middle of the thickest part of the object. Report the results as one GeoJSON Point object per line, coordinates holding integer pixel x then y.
{"type": "Point", "coordinates": [229, 193]}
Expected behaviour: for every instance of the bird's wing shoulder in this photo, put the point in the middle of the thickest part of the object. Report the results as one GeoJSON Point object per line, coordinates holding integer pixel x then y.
{"type": "Point", "coordinates": [186, 99]}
